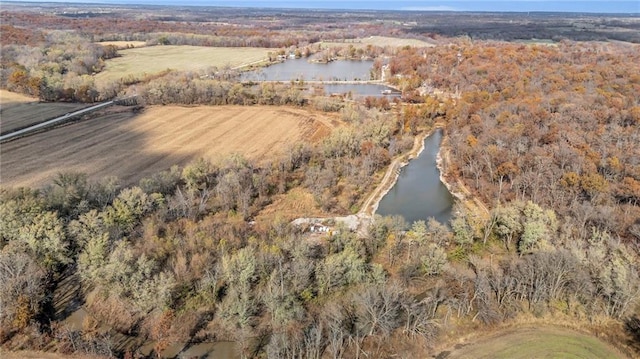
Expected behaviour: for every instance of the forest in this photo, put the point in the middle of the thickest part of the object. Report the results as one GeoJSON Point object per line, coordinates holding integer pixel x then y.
{"type": "Point", "coordinates": [544, 134]}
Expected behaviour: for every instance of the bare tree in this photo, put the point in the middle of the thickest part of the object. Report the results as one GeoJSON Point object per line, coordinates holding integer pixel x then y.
{"type": "Point", "coordinates": [379, 309]}
{"type": "Point", "coordinates": [338, 328]}
{"type": "Point", "coordinates": [21, 289]}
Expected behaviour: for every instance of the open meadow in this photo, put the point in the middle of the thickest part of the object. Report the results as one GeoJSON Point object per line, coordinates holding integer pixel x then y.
{"type": "Point", "coordinates": [132, 146]}
{"type": "Point", "coordinates": [123, 44]}
{"type": "Point", "coordinates": [536, 342]}
{"type": "Point", "coordinates": [18, 111]}
{"type": "Point", "coordinates": [378, 41]}
{"type": "Point", "coordinates": [154, 59]}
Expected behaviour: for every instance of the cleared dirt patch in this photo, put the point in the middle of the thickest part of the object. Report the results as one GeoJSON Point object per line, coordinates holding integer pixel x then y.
{"type": "Point", "coordinates": [154, 59]}
{"type": "Point", "coordinates": [297, 202]}
{"type": "Point", "coordinates": [19, 111]}
{"type": "Point", "coordinates": [132, 146]}
{"type": "Point", "coordinates": [534, 342]}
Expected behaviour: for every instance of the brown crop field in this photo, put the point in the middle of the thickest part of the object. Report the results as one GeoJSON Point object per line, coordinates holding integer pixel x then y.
{"type": "Point", "coordinates": [19, 111]}
{"type": "Point", "coordinates": [132, 146]}
{"type": "Point", "coordinates": [154, 59]}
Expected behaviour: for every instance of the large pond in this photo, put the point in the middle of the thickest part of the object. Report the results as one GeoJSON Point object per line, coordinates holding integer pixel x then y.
{"type": "Point", "coordinates": [302, 69]}
{"type": "Point", "coordinates": [419, 194]}
{"type": "Point", "coordinates": [342, 70]}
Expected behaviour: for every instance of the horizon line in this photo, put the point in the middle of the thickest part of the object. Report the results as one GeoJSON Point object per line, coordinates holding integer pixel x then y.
{"type": "Point", "coordinates": [403, 8]}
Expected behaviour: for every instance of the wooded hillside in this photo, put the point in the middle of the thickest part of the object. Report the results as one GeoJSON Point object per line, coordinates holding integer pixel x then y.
{"type": "Point", "coordinates": [557, 125]}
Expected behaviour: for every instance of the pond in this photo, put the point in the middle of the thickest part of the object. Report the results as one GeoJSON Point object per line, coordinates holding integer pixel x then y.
{"type": "Point", "coordinates": [418, 194]}
{"type": "Point", "coordinates": [218, 350]}
{"type": "Point", "coordinates": [214, 350]}
{"type": "Point", "coordinates": [341, 70]}
{"type": "Point", "coordinates": [209, 350]}
{"type": "Point", "coordinates": [302, 69]}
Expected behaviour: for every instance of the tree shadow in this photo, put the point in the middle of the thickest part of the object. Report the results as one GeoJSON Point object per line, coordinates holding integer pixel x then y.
{"type": "Point", "coordinates": [632, 327]}
{"type": "Point", "coordinates": [67, 296]}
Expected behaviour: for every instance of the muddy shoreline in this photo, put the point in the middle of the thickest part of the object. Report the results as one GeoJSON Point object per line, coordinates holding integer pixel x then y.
{"type": "Point", "coordinates": [457, 187]}
{"type": "Point", "coordinates": [396, 166]}
{"type": "Point", "coordinates": [366, 215]}
{"type": "Point", "coordinates": [385, 186]}
{"type": "Point", "coordinates": [442, 160]}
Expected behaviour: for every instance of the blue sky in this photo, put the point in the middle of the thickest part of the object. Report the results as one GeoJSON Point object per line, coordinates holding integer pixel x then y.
{"type": "Point", "coordinates": [624, 6]}
{"type": "Point", "coordinates": [597, 6]}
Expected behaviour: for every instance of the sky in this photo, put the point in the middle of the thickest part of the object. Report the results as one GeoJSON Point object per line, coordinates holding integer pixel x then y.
{"type": "Point", "coordinates": [624, 6]}
{"type": "Point", "coordinates": [591, 6]}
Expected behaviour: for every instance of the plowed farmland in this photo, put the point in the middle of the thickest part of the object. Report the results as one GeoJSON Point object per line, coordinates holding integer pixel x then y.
{"type": "Point", "coordinates": [18, 111]}
{"type": "Point", "coordinates": [132, 146]}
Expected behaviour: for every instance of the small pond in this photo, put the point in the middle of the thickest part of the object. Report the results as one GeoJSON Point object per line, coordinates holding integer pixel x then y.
{"type": "Point", "coordinates": [215, 350]}
{"type": "Point", "coordinates": [419, 194]}
{"type": "Point", "coordinates": [302, 69]}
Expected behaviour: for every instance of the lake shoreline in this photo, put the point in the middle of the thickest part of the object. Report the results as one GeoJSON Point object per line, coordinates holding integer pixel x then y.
{"type": "Point", "coordinates": [385, 186]}
{"type": "Point", "coordinates": [392, 175]}
{"type": "Point", "coordinates": [456, 186]}
{"type": "Point", "coordinates": [442, 160]}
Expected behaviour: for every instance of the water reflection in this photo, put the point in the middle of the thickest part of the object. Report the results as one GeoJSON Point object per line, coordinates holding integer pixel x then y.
{"type": "Point", "coordinates": [302, 69]}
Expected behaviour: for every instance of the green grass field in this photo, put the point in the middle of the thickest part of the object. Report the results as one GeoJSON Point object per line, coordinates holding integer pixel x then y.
{"type": "Point", "coordinates": [154, 59]}
{"type": "Point", "coordinates": [538, 342]}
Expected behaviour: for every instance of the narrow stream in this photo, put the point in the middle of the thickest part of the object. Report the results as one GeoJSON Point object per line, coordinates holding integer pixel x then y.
{"type": "Point", "coordinates": [418, 193]}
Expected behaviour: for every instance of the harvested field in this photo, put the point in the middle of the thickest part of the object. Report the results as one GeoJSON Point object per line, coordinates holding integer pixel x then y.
{"type": "Point", "coordinates": [378, 41]}
{"type": "Point", "coordinates": [123, 44]}
{"type": "Point", "coordinates": [132, 146]}
{"type": "Point", "coordinates": [535, 342]}
{"type": "Point", "coordinates": [155, 59]}
{"type": "Point", "coordinates": [8, 97]}
{"type": "Point", "coordinates": [18, 111]}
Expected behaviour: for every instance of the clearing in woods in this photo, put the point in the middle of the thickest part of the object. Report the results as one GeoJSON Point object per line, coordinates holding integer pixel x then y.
{"type": "Point", "coordinates": [154, 59]}
{"type": "Point", "coordinates": [123, 44]}
{"type": "Point", "coordinates": [535, 342]}
{"type": "Point", "coordinates": [18, 111]}
{"type": "Point", "coordinates": [132, 146]}
{"type": "Point", "coordinates": [378, 41]}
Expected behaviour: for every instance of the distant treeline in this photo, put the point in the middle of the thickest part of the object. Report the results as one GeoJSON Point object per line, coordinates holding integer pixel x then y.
{"type": "Point", "coordinates": [511, 27]}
